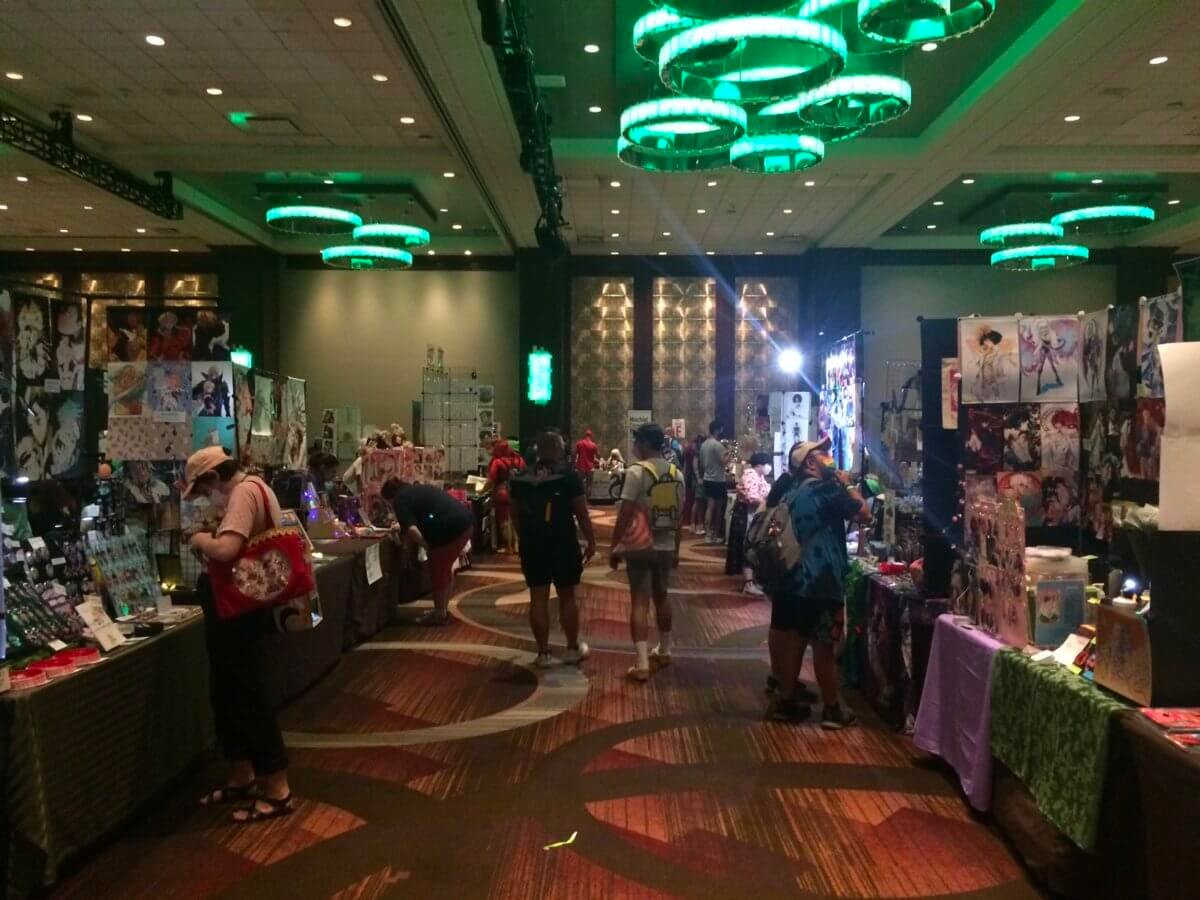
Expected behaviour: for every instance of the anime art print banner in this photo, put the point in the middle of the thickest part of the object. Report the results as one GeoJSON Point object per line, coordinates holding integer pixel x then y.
{"type": "Point", "coordinates": [996, 552]}
{"type": "Point", "coordinates": [1050, 357]}
{"type": "Point", "coordinates": [988, 353]}
{"type": "Point", "coordinates": [1160, 321]}
{"type": "Point", "coordinates": [1122, 367]}
{"type": "Point", "coordinates": [840, 413]}
{"type": "Point", "coordinates": [1093, 368]}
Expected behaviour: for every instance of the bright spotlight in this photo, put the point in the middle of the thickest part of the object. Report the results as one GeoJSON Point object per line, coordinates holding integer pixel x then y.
{"type": "Point", "coordinates": [790, 361]}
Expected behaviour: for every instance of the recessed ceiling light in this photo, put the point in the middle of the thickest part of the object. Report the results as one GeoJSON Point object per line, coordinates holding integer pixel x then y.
{"type": "Point", "coordinates": [1169, 203]}
{"type": "Point", "coordinates": [712, 184]}
{"type": "Point", "coordinates": [1097, 181]}
{"type": "Point", "coordinates": [77, 249]}
{"type": "Point", "coordinates": [466, 253]}
{"type": "Point", "coordinates": [154, 40]}
{"type": "Point", "coordinates": [614, 184]}
{"type": "Point", "coordinates": [1071, 118]}
{"type": "Point", "coordinates": [140, 230]}
{"type": "Point", "coordinates": [787, 212]}
{"type": "Point", "coordinates": [85, 206]}
{"type": "Point", "coordinates": [22, 179]}
{"type": "Point", "coordinates": [456, 227]}
{"type": "Point", "coordinates": [328, 181]}
{"type": "Point", "coordinates": [810, 184]}
{"type": "Point", "coordinates": [407, 120]}
{"type": "Point", "coordinates": [64, 231]}
{"type": "Point", "coordinates": [443, 210]}
{"type": "Point", "coordinates": [666, 234]}
{"type": "Point", "coordinates": [614, 252]}
{"type": "Point", "coordinates": [174, 249]}
{"type": "Point", "coordinates": [447, 174]}
{"type": "Point", "coordinates": [931, 227]}
{"type": "Point", "coordinates": [701, 212]}
{"type": "Point", "coordinates": [213, 92]}
{"type": "Point", "coordinates": [28, 249]}
{"type": "Point", "coordinates": [929, 46]}
{"type": "Point", "coordinates": [595, 109]}
{"type": "Point", "coordinates": [770, 234]}
{"type": "Point", "coordinates": [431, 253]}
{"type": "Point", "coordinates": [15, 76]}
{"type": "Point", "coordinates": [83, 117]}
{"type": "Point", "coordinates": [343, 22]}
{"type": "Point", "coordinates": [125, 250]}
{"type": "Point", "coordinates": [615, 212]}
{"type": "Point", "coordinates": [379, 76]}
{"type": "Point", "coordinates": [939, 202]}
{"type": "Point", "coordinates": [3, 207]}
{"type": "Point", "coordinates": [968, 181]}
{"type": "Point", "coordinates": [591, 48]}
{"type": "Point", "coordinates": [662, 252]}
{"type": "Point", "coordinates": [710, 252]}
{"type": "Point", "coordinates": [1158, 60]}
{"type": "Point", "coordinates": [615, 234]}
{"type": "Point", "coordinates": [758, 253]}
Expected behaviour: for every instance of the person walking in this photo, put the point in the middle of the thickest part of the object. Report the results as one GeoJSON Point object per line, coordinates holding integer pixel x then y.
{"type": "Point", "coordinates": [247, 728]}
{"type": "Point", "coordinates": [752, 492]}
{"type": "Point", "coordinates": [441, 526]}
{"type": "Point", "coordinates": [646, 536]}
{"type": "Point", "coordinates": [713, 460]}
{"type": "Point", "coordinates": [550, 502]}
{"type": "Point", "coordinates": [809, 608]}
{"type": "Point", "coordinates": [586, 454]}
{"type": "Point", "coordinates": [505, 463]}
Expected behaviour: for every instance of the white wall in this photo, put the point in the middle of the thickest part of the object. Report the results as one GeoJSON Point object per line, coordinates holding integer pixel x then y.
{"type": "Point", "coordinates": [893, 297]}
{"type": "Point", "coordinates": [359, 338]}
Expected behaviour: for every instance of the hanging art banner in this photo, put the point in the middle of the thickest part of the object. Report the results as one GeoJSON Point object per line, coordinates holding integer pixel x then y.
{"type": "Point", "coordinates": [1060, 438]}
{"type": "Point", "coordinates": [989, 359]}
{"type": "Point", "coordinates": [1093, 363]}
{"type": "Point", "coordinates": [950, 379]}
{"type": "Point", "coordinates": [1050, 351]}
{"type": "Point", "coordinates": [1022, 438]}
{"type": "Point", "coordinates": [1123, 369]}
{"type": "Point", "coordinates": [1160, 322]}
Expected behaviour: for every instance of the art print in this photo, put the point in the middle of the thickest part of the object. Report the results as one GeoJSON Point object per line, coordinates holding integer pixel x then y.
{"type": "Point", "coordinates": [1160, 321]}
{"type": "Point", "coordinates": [168, 390]}
{"type": "Point", "coordinates": [33, 433]}
{"type": "Point", "coordinates": [70, 345]}
{"type": "Point", "coordinates": [983, 450]}
{"type": "Point", "coordinates": [126, 334]}
{"type": "Point", "coordinates": [1050, 350]}
{"type": "Point", "coordinates": [1122, 425]}
{"type": "Point", "coordinates": [171, 335]}
{"type": "Point", "coordinates": [295, 419]}
{"type": "Point", "coordinates": [33, 340]}
{"type": "Point", "coordinates": [1022, 438]}
{"type": "Point", "coordinates": [989, 356]}
{"type": "Point", "coordinates": [143, 486]}
{"type": "Point", "coordinates": [213, 431]}
{"type": "Point", "coordinates": [1093, 367]}
{"type": "Point", "coordinates": [487, 395]}
{"type": "Point", "coordinates": [169, 474]}
{"type": "Point", "coordinates": [66, 440]}
{"type": "Point", "coordinates": [126, 389]}
{"type": "Point", "coordinates": [1123, 367]}
{"type": "Point", "coordinates": [132, 437]}
{"type": "Point", "coordinates": [1123, 654]}
{"type": "Point", "coordinates": [1058, 610]}
{"type": "Point", "coordinates": [263, 423]}
{"type": "Point", "coordinates": [243, 406]}
{"type": "Point", "coordinates": [210, 335]}
{"type": "Point", "coordinates": [212, 389]}
{"type": "Point", "coordinates": [1148, 432]}
{"type": "Point", "coordinates": [1026, 489]}
{"type": "Point", "coordinates": [1060, 500]}
{"type": "Point", "coordinates": [1060, 437]}
{"type": "Point", "coordinates": [950, 380]}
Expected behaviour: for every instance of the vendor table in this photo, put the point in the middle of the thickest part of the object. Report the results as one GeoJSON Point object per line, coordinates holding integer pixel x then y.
{"type": "Point", "coordinates": [1169, 786]}
{"type": "Point", "coordinates": [899, 624]}
{"type": "Point", "coordinates": [81, 754]}
{"type": "Point", "coordinates": [955, 718]}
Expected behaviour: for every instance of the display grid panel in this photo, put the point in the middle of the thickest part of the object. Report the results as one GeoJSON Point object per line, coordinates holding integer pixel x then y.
{"type": "Point", "coordinates": [685, 351]}
{"type": "Point", "coordinates": [601, 359]}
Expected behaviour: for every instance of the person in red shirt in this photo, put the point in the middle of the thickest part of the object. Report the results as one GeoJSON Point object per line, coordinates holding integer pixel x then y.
{"type": "Point", "coordinates": [506, 462]}
{"type": "Point", "coordinates": [586, 453]}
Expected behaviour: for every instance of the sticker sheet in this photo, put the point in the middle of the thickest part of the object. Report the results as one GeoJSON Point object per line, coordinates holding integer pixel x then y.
{"type": "Point", "coordinates": [131, 437]}
{"type": "Point", "coordinates": [168, 391]}
{"type": "Point", "coordinates": [1160, 322]}
{"type": "Point", "coordinates": [988, 351]}
{"type": "Point", "coordinates": [1050, 351]}
{"type": "Point", "coordinates": [983, 450]}
{"type": "Point", "coordinates": [171, 334]}
{"type": "Point", "coordinates": [1060, 438]}
{"type": "Point", "coordinates": [1022, 438]}
{"type": "Point", "coordinates": [126, 334]}
{"type": "Point", "coordinates": [1093, 361]}
{"type": "Point", "coordinates": [1123, 367]}
{"type": "Point", "coordinates": [212, 389]}
{"type": "Point", "coordinates": [70, 344]}
{"type": "Point", "coordinates": [126, 389]}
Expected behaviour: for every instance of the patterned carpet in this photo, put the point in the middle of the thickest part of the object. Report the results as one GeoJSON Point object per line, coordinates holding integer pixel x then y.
{"type": "Point", "coordinates": [438, 763]}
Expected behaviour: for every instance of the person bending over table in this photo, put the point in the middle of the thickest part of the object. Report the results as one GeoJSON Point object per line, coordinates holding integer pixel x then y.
{"type": "Point", "coordinates": [437, 523]}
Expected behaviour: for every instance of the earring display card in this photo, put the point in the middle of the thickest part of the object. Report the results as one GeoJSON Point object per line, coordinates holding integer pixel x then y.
{"type": "Point", "coordinates": [130, 577]}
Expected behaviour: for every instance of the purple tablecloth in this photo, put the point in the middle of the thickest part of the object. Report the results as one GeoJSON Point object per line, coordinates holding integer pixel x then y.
{"type": "Point", "coordinates": [955, 719]}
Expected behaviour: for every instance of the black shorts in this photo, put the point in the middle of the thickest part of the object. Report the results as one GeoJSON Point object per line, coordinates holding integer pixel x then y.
{"type": "Point", "coordinates": [715, 490]}
{"type": "Point", "coordinates": [816, 618]}
{"type": "Point", "coordinates": [542, 566]}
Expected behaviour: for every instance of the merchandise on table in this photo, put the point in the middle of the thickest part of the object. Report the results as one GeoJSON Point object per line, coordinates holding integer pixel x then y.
{"type": "Point", "coordinates": [129, 574]}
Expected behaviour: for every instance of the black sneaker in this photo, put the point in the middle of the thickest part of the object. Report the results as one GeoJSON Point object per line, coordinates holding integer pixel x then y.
{"type": "Point", "coordinates": [801, 693]}
{"type": "Point", "coordinates": [789, 711]}
{"type": "Point", "coordinates": [834, 718]}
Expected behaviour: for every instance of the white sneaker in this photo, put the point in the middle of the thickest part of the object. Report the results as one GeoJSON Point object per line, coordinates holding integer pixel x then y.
{"type": "Point", "coordinates": [545, 661]}
{"type": "Point", "coordinates": [578, 655]}
{"type": "Point", "coordinates": [699, 531]}
{"type": "Point", "coordinates": [660, 657]}
{"type": "Point", "coordinates": [753, 590]}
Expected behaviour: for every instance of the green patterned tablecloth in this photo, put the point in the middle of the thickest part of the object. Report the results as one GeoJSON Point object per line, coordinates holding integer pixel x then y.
{"type": "Point", "coordinates": [1051, 728]}
{"type": "Point", "coordinates": [854, 653]}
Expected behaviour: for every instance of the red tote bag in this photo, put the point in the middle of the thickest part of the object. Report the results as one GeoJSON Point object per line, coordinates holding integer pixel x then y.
{"type": "Point", "coordinates": [273, 569]}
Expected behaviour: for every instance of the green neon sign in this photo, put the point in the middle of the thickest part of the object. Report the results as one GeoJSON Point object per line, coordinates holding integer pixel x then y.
{"type": "Point", "coordinates": [541, 368]}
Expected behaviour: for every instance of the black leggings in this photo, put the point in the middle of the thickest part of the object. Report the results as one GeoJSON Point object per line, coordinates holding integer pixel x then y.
{"type": "Point", "coordinates": [246, 724]}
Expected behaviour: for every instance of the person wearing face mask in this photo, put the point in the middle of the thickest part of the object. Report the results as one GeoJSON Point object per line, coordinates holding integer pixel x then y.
{"type": "Point", "coordinates": [752, 491]}
{"type": "Point", "coordinates": [247, 728]}
{"type": "Point", "coordinates": [809, 607]}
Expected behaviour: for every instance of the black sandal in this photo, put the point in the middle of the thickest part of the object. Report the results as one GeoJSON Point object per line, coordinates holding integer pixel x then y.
{"type": "Point", "coordinates": [276, 809]}
{"type": "Point", "coordinates": [230, 793]}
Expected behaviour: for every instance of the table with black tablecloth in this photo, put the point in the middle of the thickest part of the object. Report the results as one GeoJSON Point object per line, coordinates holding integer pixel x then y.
{"type": "Point", "coordinates": [82, 753]}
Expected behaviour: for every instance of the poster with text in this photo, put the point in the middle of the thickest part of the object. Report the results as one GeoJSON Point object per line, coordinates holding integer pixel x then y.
{"type": "Point", "coordinates": [1093, 366]}
{"type": "Point", "coordinates": [1121, 358]}
{"type": "Point", "coordinates": [989, 356]}
{"type": "Point", "coordinates": [1050, 351]}
{"type": "Point", "coordinates": [1160, 322]}
{"type": "Point", "coordinates": [950, 379]}
{"type": "Point", "coordinates": [635, 419]}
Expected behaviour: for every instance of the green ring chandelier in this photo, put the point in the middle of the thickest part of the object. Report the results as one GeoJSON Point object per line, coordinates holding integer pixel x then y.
{"type": "Point", "coordinates": [843, 15]}
{"type": "Point", "coordinates": [1105, 219]}
{"type": "Point", "coordinates": [312, 219]}
{"type": "Point", "coordinates": [773, 154]}
{"type": "Point", "coordinates": [779, 117]}
{"type": "Point", "coordinates": [713, 9]}
{"type": "Point", "coordinates": [387, 235]}
{"type": "Point", "coordinates": [849, 102]}
{"type": "Point", "coordinates": [1040, 258]}
{"type": "Point", "coordinates": [683, 124]}
{"type": "Point", "coordinates": [776, 56]}
{"type": "Point", "coordinates": [652, 160]}
{"type": "Point", "coordinates": [366, 256]}
{"type": "Point", "coordinates": [904, 22]}
{"type": "Point", "coordinates": [655, 28]}
{"type": "Point", "coordinates": [1021, 234]}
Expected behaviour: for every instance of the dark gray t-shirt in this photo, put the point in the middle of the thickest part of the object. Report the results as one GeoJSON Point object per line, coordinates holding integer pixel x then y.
{"type": "Point", "coordinates": [712, 460]}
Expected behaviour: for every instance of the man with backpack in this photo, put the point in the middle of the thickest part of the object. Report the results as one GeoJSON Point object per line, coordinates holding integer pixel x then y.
{"type": "Point", "coordinates": [646, 537]}
{"type": "Point", "coordinates": [798, 549]}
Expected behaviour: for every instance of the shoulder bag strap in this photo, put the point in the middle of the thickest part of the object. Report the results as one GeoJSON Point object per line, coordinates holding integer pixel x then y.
{"type": "Point", "coordinates": [262, 490]}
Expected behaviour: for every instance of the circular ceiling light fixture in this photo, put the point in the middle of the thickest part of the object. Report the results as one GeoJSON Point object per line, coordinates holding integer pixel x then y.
{"type": "Point", "coordinates": [851, 102]}
{"type": "Point", "coordinates": [366, 256]}
{"type": "Point", "coordinates": [1104, 219]}
{"type": "Point", "coordinates": [714, 9]}
{"type": "Point", "coordinates": [776, 56]}
{"type": "Point", "coordinates": [904, 22]}
{"type": "Point", "coordinates": [655, 28]}
{"type": "Point", "coordinates": [388, 235]}
{"type": "Point", "coordinates": [1040, 258]}
{"type": "Point", "coordinates": [773, 154]}
{"type": "Point", "coordinates": [650, 159]}
{"type": "Point", "coordinates": [683, 124]}
{"type": "Point", "coordinates": [843, 15]}
{"type": "Point", "coordinates": [1022, 234]}
{"type": "Point", "coordinates": [312, 219]}
{"type": "Point", "coordinates": [784, 116]}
